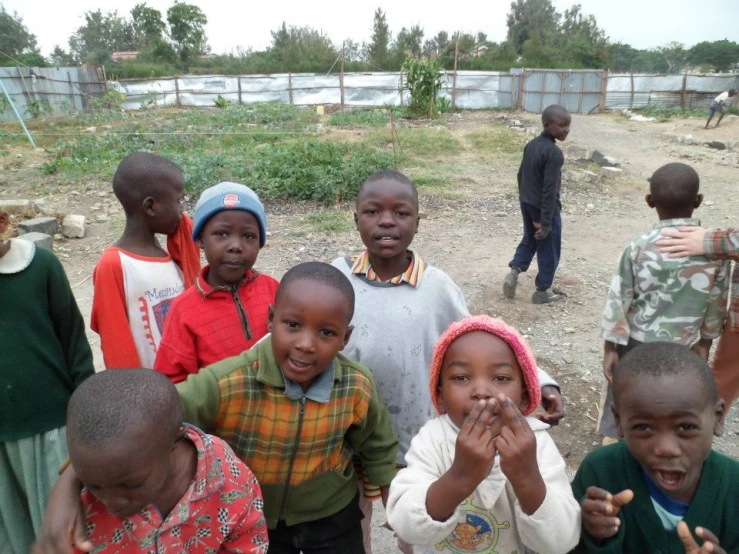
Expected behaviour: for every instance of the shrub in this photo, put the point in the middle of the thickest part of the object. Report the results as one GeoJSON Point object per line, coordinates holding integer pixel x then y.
{"type": "Point", "coordinates": [423, 81]}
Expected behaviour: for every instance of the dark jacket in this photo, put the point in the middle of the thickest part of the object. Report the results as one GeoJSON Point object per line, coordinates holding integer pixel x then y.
{"type": "Point", "coordinates": [540, 177]}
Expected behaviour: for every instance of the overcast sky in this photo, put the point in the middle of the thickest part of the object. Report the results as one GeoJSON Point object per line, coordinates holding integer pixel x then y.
{"type": "Point", "coordinates": [641, 23]}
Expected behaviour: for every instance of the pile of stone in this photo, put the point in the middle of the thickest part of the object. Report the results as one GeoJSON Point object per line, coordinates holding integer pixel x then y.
{"type": "Point", "coordinates": [42, 230]}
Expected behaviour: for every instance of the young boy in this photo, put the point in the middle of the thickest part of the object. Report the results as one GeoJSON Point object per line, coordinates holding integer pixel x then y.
{"type": "Point", "coordinates": [635, 492]}
{"type": "Point", "coordinates": [539, 183]}
{"type": "Point", "coordinates": [481, 477]}
{"type": "Point", "coordinates": [654, 298]}
{"type": "Point", "coordinates": [403, 307]}
{"type": "Point", "coordinates": [44, 357]}
{"type": "Point", "coordinates": [718, 106]}
{"type": "Point", "coordinates": [225, 313]}
{"type": "Point", "coordinates": [136, 280]}
{"type": "Point", "coordinates": [152, 483]}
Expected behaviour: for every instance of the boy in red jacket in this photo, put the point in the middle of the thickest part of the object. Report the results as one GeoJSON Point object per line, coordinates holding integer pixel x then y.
{"type": "Point", "coordinates": [226, 311]}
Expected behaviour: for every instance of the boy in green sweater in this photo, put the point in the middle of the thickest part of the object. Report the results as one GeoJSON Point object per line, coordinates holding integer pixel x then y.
{"type": "Point", "coordinates": [294, 410]}
{"type": "Point", "coordinates": [44, 356]}
{"type": "Point", "coordinates": [652, 490]}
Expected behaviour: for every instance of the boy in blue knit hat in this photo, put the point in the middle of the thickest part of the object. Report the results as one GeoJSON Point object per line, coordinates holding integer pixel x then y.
{"type": "Point", "coordinates": [226, 311]}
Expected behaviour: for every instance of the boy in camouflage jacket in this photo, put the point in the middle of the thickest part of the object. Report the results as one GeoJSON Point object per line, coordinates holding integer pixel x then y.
{"type": "Point", "coordinates": [654, 298]}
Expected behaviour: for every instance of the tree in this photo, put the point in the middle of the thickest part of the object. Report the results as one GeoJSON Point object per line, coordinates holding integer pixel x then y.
{"type": "Point", "coordinates": [102, 34]}
{"type": "Point", "coordinates": [379, 45]}
{"type": "Point", "coordinates": [187, 29]}
{"type": "Point", "coordinates": [585, 44]}
{"type": "Point", "coordinates": [60, 57]}
{"type": "Point", "coordinates": [675, 56]}
{"type": "Point", "coordinates": [301, 49]}
{"type": "Point", "coordinates": [409, 44]}
{"type": "Point", "coordinates": [534, 20]}
{"type": "Point", "coordinates": [15, 39]}
{"type": "Point", "coordinates": [721, 55]}
{"type": "Point", "coordinates": [147, 24]}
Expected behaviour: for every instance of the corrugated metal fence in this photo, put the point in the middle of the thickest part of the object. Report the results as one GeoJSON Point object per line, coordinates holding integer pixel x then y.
{"type": "Point", "coordinates": [580, 91]}
{"type": "Point", "coordinates": [49, 90]}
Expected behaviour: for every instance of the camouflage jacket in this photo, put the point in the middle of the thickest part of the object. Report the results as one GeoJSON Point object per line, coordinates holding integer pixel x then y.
{"type": "Point", "coordinates": [654, 298]}
{"type": "Point", "coordinates": [724, 245]}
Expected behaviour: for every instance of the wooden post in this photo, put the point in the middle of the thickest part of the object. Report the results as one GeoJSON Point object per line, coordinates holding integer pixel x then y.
{"type": "Point", "coordinates": [454, 78]}
{"type": "Point", "coordinates": [683, 93]}
{"type": "Point", "coordinates": [71, 89]}
{"type": "Point", "coordinates": [400, 87]}
{"type": "Point", "coordinates": [341, 74]}
{"type": "Point", "coordinates": [631, 102]}
{"type": "Point", "coordinates": [290, 88]}
{"type": "Point", "coordinates": [521, 89]}
{"type": "Point", "coordinates": [582, 92]}
{"type": "Point", "coordinates": [238, 79]}
{"type": "Point", "coordinates": [29, 96]}
{"type": "Point", "coordinates": [603, 91]}
{"type": "Point", "coordinates": [561, 90]}
{"type": "Point", "coordinates": [177, 92]}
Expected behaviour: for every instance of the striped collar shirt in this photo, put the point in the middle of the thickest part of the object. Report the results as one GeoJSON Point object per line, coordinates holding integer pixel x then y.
{"type": "Point", "coordinates": [361, 266]}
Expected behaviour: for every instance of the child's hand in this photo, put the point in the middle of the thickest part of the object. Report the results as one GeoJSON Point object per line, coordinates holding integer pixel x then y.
{"type": "Point", "coordinates": [703, 348]}
{"type": "Point", "coordinates": [516, 443]}
{"type": "Point", "coordinates": [710, 543]}
{"type": "Point", "coordinates": [553, 403]}
{"type": "Point", "coordinates": [600, 512]}
{"type": "Point", "coordinates": [474, 452]}
{"type": "Point", "coordinates": [610, 359]}
{"type": "Point", "coordinates": [541, 234]}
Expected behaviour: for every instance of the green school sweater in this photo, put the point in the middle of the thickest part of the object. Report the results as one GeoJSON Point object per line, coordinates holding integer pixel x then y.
{"type": "Point", "coordinates": [715, 505]}
{"type": "Point", "coordinates": [44, 353]}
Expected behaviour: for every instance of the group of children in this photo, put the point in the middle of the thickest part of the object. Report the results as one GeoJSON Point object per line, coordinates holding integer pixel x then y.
{"type": "Point", "coordinates": [371, 361]}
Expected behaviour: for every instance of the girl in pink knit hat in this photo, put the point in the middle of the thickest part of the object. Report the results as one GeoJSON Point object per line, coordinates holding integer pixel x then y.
{"type": "Point", "coordinates": [483, 476]}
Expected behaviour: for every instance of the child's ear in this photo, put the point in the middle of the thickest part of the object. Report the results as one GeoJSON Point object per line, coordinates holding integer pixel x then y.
{"type": "Point", "coordinates": [347, 336]}
{"type": "Point", "coordinates": [356, 221]}
{"type": "Point", "coordinates": [525, 399]}
{"type": "Point", "coordinates": [617, 417]}
{"type": "Point", "coordinates": [649, 201]}
{"type": "Point", "coordinates": [148, 205]}
{"type": "Point", "coordinates": [270, 318]}
{"type": "Point", "coordinates": [442, 402]}
{"type": "Point", "coordinates": [199, 242]}
{"type": "Point", "coordinates": [718, 427]}
{"type": "Point", "coordinates": [698, 201]}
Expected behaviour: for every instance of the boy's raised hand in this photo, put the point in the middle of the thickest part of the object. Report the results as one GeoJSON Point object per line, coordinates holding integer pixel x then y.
{"type": "Point", "coordinates": [474, 452]}
{"type": "Point", "coordinates": [600, 512]}
{"type": "Point", "coordinates": [710, 543]}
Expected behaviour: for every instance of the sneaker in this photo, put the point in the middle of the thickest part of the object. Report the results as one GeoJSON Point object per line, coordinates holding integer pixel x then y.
{"type": "Point", "coordinates": [545, 297]}
{"type": "Point", "coordinates": [510, 283]}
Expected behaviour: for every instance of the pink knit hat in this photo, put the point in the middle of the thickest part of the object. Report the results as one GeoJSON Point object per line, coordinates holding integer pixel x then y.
{"type": "Point", "coordinates": [499, 328]}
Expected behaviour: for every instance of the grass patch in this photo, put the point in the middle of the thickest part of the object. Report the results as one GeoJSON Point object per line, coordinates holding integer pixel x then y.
{"type": "Point", "coordinates": [425, 142]}
{"type": "Point", "coordinates": [431, 181]}
{"type": "Point", "coordinates": [496, 141]}
{"type": "Point", "coordinates": [364, 118]}
{"type": "Point", "coordinates": [331, 221]}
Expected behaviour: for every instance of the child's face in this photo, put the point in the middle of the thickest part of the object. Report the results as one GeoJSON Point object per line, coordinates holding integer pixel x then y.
{"type": "Point", "coordinates": [479, 366]}
{"type": "Point", "coordinates": [230, 240]}
{"type": "Point", "coordinates": [668, 425]}
{"type": "Point", "coordinates": [387, 218]}
{"type": "Point", "coordinates": [309, 326]}
{"type": "Point", "coordinates": [125, 479]}
{"type": "Point", "coordinates": [558, 127]}
{"type": "Point", "coordinates": [167, 207]}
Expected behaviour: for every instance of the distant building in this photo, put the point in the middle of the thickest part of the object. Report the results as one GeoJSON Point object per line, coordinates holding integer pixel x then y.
{"type": "Point", "coordinates": [120, 56]}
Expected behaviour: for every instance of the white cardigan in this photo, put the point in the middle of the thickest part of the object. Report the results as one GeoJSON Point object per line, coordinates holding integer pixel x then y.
{"type": "Point", "coordinates": [491, 520]}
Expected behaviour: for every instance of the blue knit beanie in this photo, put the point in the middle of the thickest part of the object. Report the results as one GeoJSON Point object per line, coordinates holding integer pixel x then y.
{"type": "Point", "coordinates": [229, 196]}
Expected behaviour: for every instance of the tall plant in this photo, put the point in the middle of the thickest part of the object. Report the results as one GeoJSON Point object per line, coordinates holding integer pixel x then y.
{"type": "Point", "coordinates": [423, 81]}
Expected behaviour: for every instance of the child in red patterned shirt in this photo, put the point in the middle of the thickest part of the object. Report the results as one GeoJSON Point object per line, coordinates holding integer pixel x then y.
{"type": "Point", "coordinates": [226, 312]}
{"type": "Point", "coordinates": [153, 484]}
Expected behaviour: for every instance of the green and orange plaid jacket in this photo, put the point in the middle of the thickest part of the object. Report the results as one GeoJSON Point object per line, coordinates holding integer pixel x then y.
{"type": "Point", "coordinates": [299, 450]}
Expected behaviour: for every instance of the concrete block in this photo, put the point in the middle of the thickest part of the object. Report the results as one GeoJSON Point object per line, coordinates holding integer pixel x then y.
{"type": "Point", "coordinates": [73, 226]}
{"type": "Point", "coordinates": [610, 172]}
{"type": "Point", "coordinates": [589, 176]}
{"type": "Point", "coordinates": [40, 239]}
{"type": "Point", "coordinates": [45, 225]}
{"type": "Point", "coordinates": [579, 153]}
{"type": "Point", "coordinates": [572, 176]}
{"type": "Point", "coordinates": [689, 140]}
{"type": "Point", "coordinates": [18, 207]}
{"type": "Point", "coordinates": [604, 161]}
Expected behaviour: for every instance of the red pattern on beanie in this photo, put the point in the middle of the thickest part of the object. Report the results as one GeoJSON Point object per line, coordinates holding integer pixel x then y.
{"type": "Point", "coordinates": [501, 329]}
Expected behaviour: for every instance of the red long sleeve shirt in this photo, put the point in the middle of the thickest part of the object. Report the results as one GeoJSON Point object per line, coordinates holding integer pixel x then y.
{"type": "Point", "coordinates": [208, 324]}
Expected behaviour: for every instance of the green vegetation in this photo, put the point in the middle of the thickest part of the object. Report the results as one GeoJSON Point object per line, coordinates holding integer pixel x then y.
{"type": "Point", "coordinates": [423, 82]}
{"type": "Point", "coordinates": [362, 117]}
{"type": "Point", "coordinates": [331, 221]}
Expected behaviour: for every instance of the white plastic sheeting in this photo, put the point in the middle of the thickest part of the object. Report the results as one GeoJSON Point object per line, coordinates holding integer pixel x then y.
{"type": "Point", "coordinates": [666, 90]}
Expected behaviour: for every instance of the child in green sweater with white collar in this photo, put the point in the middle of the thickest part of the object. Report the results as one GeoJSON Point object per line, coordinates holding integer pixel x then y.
{"type": "Point", "coordinates": [662, 483]}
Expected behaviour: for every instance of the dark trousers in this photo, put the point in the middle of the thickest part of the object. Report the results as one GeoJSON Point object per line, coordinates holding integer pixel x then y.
{"type": "Point", "coordinates": [337, 533]}
{"type": "Point", "coordinates": [547, 251]}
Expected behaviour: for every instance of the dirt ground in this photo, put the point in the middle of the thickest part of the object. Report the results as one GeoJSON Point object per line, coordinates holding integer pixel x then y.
{"type": "Point", "coordinates": [472, 237]}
